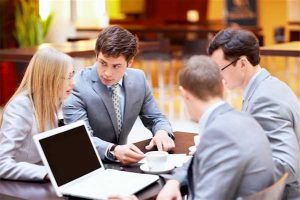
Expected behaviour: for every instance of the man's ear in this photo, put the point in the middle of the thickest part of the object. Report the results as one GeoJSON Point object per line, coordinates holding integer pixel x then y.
{"type": "Point", "coordinates": [130, 62]}
{"type": "Point", "coordinates": [183, 92]}
{"type": "Point", "coordinates": [244, 61]}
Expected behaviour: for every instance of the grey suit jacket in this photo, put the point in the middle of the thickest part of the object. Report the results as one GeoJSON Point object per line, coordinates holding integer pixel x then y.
{"type": "Point", "coordinates": [91, 101]}
{"type": "Point", "coordinates": [233, 158]}
{"type": "Point", "coordinates": [18, 155]}
{"type": "Point", "coordinates": [276, 108]}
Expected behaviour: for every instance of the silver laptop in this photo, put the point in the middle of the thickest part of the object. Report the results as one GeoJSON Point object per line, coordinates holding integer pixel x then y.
{"type": "Point", "coordinates": [75, 168]}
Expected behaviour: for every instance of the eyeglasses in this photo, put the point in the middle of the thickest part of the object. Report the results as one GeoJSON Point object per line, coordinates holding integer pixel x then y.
{"type": "Point", "coordinates": [223, 68]}
{"type": "Point", "coordinates": [70, 76]}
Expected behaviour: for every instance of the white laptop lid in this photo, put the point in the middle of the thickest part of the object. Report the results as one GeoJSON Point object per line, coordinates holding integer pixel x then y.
{"type": "Point", "coordinates": [64, 154]}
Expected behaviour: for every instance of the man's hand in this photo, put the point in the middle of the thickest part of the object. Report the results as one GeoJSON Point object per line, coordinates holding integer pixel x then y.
{"type": "Point", "coordinates": [162, 141]}
{"type": "Point", "coordinates": [118, 197]}
{"type": "Point", "coordinates": [171, 191]}
{"type": "Point", "coordinates": [128, 154]}
{"type": "Point", "coordinates": [46, 178]}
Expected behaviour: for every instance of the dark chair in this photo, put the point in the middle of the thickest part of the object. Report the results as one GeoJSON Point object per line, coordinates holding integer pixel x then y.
{"type": "Point", "coordinates": [274, 192]}
{"type": "Point", "coordinates": [194, 47]}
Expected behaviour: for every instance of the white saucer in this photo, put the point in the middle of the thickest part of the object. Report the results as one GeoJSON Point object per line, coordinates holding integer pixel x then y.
{"type": "Point", "coordinates": [169, 167]}
{"type": "Point", "coordinates": [192, 149]}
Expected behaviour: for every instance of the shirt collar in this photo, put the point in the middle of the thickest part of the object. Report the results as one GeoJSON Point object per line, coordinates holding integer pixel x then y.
{"type": "Point", "coordinates": [120, 83]}
{"type": "Point", "coordinates": [207, 113]}
{"type": "Point", "coordinates": [251, 82]}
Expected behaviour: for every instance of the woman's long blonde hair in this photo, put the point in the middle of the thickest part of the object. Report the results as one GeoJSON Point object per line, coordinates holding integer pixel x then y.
{"type": "Point", "coordinates": [43, 83]}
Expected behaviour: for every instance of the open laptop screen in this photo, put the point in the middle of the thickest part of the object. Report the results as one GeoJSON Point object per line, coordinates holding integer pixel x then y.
{"type": "Point", "coordinates": [70, 154]}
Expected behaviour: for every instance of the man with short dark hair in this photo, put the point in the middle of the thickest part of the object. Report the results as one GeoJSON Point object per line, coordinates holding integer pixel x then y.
{"type": "Point", "coordinates": [110, 96]}
{"type": "Point", "coordinates": [270, 101]}
{"type": "Point", "coordinates": [233, 158]}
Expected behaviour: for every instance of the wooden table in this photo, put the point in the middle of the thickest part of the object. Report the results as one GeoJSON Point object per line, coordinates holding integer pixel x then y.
{"type": "Point", "coordinates": [285, 49]}
{"type": "Point", "coordinates": [85, 48]}
{"type": "Point", "coordinates": [44, 191]}
{"type": "Point", "coordinates": [283, 61]}
{"type": "Point", "coordinates": [172, 31]}
{"type": "Point", "coordinates": [173, 28]}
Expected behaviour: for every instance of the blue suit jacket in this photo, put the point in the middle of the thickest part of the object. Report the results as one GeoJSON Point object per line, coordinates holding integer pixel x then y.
{"type": "Point", "coordinates": [91, 101]}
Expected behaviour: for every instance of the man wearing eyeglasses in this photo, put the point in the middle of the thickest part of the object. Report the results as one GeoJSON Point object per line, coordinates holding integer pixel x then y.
{"type": "Point", "coordinates": [270, 101]}
{"type": "Point", "coordinates": [233, 158]}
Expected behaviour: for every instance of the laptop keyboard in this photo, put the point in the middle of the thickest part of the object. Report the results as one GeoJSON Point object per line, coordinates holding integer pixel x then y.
{"type": "Point", "coordinates": [109, 182]}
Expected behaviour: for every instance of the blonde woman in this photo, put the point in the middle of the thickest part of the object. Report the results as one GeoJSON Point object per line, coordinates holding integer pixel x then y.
{"type": "Point", "coordinates": [33, 109]}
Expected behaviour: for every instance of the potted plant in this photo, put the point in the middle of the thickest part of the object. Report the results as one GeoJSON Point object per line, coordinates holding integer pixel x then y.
{"type": "Point", "coordinates": [30, 29]}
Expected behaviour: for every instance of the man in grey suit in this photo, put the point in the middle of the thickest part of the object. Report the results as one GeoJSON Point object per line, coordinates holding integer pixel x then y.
{"type": "Point", "coordinates": [109, 96]}
{"type": "Point", "coordinates": [270, 101]}
{"type": "Point", "coordinates": [233, 158]}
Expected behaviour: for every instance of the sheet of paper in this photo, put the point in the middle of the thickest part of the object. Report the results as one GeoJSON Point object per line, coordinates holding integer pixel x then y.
{"type": "Point", "coordinates": [175, 159]}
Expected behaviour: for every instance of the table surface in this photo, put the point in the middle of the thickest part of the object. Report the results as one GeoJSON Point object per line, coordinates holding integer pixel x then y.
{"type": "Point", "coordinates": [84, 48]}
{"type": "Point", "coordinates": [11, 190]}
{"type": "Point", "coordinates": [284, 49]}
{"type": "Point", "coordinates": [174, 27]}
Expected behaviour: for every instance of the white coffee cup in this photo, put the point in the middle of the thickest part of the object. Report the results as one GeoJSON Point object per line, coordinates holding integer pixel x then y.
{"type": "Point", "coordinates": [196, 140]}
{"type": "Point", "coordinates": [156, 160]}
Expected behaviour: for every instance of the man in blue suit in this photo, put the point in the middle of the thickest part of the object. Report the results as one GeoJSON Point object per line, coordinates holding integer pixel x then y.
{"type": "Point", "coordinates": [110, 96]}
{"type": "Point", "coordinates": [270, 101]}
{"type": "Point", "coordinates": [233, 158]}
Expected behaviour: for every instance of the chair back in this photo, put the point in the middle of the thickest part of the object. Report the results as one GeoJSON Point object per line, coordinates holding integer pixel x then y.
{"type": "Point", "coordinates": [273, 192]}
{"type": "Point", "coordinates": [194, 47]}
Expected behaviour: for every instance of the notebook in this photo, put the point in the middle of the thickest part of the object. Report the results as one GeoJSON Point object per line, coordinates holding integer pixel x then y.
{"type": "Point", "coordinates": [75, 169]}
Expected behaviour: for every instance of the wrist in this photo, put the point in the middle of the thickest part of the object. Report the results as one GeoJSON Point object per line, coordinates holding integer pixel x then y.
{"type": "Point", "coordinates": [173, 183]}
{"type": "Point", "coordinates": [111, 152]}
{"type": "Point", "coordinates": [112, 148]}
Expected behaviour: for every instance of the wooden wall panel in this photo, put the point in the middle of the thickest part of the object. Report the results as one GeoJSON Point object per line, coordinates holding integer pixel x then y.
{"type": "Point", "coordinates": [174, 11]}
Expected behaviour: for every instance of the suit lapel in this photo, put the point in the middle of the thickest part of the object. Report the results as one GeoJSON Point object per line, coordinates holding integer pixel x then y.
{"type": "Point", "coordinates": [128, 90]}
{"type": "Point", "coordinates": [103, 93]}
{"type": "Point", "coordinates": [257, 81]}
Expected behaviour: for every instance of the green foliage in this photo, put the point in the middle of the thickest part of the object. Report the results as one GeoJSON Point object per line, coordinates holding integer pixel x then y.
{"type": "Point", "coordinates": [30, 29]}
